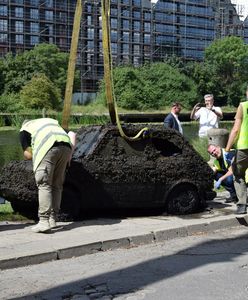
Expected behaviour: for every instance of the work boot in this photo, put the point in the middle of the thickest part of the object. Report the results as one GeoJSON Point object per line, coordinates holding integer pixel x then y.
{"type": "Point", "coordinates": [42, 226]}
{"type": "Point", "coordinates": [52, 220]}
{"type": "Point", "coordinates": [231, 199]}
{"type": "Point", "coordinates": [241, 209]}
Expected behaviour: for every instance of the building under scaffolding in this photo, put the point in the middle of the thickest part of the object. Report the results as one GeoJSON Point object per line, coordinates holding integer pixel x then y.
{"type": "Point", "coordinates": [141, 30]}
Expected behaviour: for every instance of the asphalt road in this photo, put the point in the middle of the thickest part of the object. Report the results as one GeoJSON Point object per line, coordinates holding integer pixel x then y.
{"type": "Point", "coordinates": [206, 266]}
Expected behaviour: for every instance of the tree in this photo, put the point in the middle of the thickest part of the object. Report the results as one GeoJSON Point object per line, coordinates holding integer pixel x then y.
{"type": "Point", "coordinates": [40, 93]}
{"type": "Point", "coordinates": [44, 58]}
{"type": "Point", "coordinates": [151, 87]}
{"type": "Point", "coordinates": [228, 59]}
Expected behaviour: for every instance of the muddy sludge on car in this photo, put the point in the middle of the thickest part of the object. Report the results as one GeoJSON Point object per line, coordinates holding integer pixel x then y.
{"type": "Point", "coordinates": [108, 172]}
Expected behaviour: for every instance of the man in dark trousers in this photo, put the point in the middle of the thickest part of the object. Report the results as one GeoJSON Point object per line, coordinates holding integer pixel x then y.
{"type": "Point", "coordinates": [50, 148]}
{"type": "Point", "coordinates": [171, 120]}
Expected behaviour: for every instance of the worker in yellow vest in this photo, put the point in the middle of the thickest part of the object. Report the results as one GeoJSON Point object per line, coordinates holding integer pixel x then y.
{"type": "Point", "coordinates": [50, 148]}
{"type": "Point", "coordinates": [239, 133]}
{"type": "Point", "coordinates": [223, 170]}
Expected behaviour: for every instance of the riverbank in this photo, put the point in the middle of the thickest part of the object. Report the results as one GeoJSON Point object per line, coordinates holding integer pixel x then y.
{"type": "Point", "coordinates": [15, 120]}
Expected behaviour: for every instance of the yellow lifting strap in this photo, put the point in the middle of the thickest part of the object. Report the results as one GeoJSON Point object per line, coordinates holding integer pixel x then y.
{"type": "Point", "coordinates": [108, 75]}
{"type": "Point", "coordinates": [72, 65]}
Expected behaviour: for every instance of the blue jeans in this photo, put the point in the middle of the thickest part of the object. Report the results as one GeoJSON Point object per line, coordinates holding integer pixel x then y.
{"type": "Point", "coordinates": [228, 184]}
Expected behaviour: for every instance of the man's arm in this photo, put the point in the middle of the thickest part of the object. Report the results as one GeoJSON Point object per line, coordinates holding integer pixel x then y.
{"type": "Point", "coordinates": [236, 128]}
{"type": "Point", "coordinates": [168, 122]}
{"type": "Point", "coordinates": [194, 110]}
{"type": "Point", "coordinates": [218, 112]}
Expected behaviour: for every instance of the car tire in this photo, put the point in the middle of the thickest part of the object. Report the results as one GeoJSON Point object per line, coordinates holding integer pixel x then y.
{"type": "Point", "coordinates": [183, 199]}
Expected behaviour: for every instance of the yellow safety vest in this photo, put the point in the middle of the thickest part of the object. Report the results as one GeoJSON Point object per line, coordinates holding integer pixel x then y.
{"type": "Point", "coordinates": [242, 142]}
{"type": "Point", "coordinates": [217, 164]}
{"type": "Point", "coordinates": [44, 133]}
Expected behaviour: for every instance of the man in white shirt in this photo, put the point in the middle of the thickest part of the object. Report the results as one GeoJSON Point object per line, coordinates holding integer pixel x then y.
{"type": "Point", "coordinates": [208, 116]}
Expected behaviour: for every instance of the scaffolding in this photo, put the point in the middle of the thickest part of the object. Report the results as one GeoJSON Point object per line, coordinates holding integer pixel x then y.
{"type": "Point", "coordinates": [141, 30]}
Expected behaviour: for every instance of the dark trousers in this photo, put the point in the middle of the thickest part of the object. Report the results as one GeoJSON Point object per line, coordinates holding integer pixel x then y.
{"type": "Point", "coordinates": [228, 183]}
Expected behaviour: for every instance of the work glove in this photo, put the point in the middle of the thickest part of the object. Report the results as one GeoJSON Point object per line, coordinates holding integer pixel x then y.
{"type": "Point", "coordinates": [217, 184]}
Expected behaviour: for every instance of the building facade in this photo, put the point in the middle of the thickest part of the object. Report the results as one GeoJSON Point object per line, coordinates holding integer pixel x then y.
{"type": "Point", "coordinates": [141, 30]}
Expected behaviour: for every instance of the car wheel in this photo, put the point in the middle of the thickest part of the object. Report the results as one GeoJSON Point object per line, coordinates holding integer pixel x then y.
{"type": "Point", "coordinates": [183, 199]}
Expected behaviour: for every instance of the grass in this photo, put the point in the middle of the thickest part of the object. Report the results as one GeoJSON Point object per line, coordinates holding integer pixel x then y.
{"type": "Point", "coordinates": [7, 213]}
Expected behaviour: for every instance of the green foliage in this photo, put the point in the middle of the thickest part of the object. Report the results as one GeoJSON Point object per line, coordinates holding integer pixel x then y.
{"type": "Point", "coordinates": [151, 87]}
{"type": "Point", "coordinates": [18, 69]}
{"type": "Point", "coordinates": [10, 103]}
{"type": "Point", "coordinates": [228, 60]}
{"type": "Point", "coordinates": [40, 93]}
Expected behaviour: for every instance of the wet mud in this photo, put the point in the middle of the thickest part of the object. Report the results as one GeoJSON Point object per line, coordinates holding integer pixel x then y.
{"type": "Point", "coordinates": [109, 172]}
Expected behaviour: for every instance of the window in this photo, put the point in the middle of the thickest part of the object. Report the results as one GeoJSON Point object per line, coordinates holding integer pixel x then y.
{"type": "Point", "coordinates": [48, 15]}
{"type": "Point", "coordinates": [3, 38]}
{"type": "Point", "coordinates": [125, 36]}
{"type": "Point", "coordinates": [136, 37]}
{"type": "Point", "coordinates": [125, 24]}
{"type": "Point", "coordinates": [136, 25]}
{"type": "Point", "coordinates": [19, 1]}
{"type": "Point", "coordinates": [49, 29]}
{"type": "Point", "coordinates": [90, 33]}
{"type": "Point", "coordinates": [147, 38]}
{"type": "Point", "coordinates": [62, 16]}
{"type": "Point", "coordinates": [34, 2]}
{"type": "Point", "coordinates": [34, 13]}
{"type": "Point", "coordinates": [62, 42]}
{"type": "Point", "coordinates": [49, 3]}
{"type": "Point", "coordinates": [136, 14]}
{"type": "Point", "coordinates": [19, 12]}
{"type": "Point", "coordinates": [136, 49]}
{"type": "Point", "coordinates": [90, 46]}
{"type": "Point", "coordinates": [19, 26]}
{"type": "Point", "coordinates": [19, 39]}
{"type": "Point", "coordinates": [89, 20]}
{"type": "Point", "coordinates": [125, 13]}
{"type": "Point", "coordinates": [3, 10]}
{"type": "Point", "coordinates": [113, 35]}
{"type": "Point", "coordinates": [125, 49]}
{"type": "Point", "coordinates": [113, 23]}
{"type": "Point", "coordinates": [147, 26]}
{"type": "Point", "coordinates": [3, 25]}
{"type": "Point", "coordinates": [34, 27]}
{"type": "Point", "coordinates": [34, 39]}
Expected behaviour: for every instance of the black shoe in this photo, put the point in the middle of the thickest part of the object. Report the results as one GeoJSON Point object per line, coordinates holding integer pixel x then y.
{"type": "Point", "coordinates": [231, 199]}
{"type": "Point", "coordinates": [241, 209]}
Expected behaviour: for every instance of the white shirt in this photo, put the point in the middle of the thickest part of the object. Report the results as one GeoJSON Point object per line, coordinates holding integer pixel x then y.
{"type": "Point", "coordinates": [207, 119]}
{"type": "Point", "coordinates": [178, 122]}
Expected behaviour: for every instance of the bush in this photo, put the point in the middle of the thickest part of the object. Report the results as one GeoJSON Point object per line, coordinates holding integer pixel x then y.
{"type": "Point", "coordinates": [40, 93]}
{"type": "Point", "coordinates": [10, 103]}
{"type": "Point", "coordinates": [151, 87]}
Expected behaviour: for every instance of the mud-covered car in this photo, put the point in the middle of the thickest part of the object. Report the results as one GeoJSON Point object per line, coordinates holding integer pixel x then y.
{"type": "Point", "coordinates": [108, 172]}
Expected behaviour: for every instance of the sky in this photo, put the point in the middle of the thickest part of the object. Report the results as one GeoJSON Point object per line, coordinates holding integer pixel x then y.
{"type": "Point", "coordinates": [242, 6]}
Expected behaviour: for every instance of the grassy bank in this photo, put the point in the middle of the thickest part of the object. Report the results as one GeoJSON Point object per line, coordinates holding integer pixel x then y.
{"type": "Point", "coordinates": [7, 213]}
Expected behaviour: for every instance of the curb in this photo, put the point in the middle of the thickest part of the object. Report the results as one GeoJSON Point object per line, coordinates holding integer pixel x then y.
{"type": "Point", "coordinates": [124, 242]}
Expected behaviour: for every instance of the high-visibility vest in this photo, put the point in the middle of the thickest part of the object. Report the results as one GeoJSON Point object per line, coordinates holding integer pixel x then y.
{"type": "Point", "coordinates": [44, 133]}
{"type": "Point", "coordinates": [242, 142]}
{"type": "Point", "coordinates": [226, 163]}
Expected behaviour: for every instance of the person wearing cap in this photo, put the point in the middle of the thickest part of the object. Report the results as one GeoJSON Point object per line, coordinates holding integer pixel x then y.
{"type": "Point", "coordinates": [239, 134]}
{"type": "Point", "coordinates": [222, 167]}
{"type": "Point", "coordinates": [50, 147]}
{"type": "Point", "coordinates": [208, 115]}
{"type": "Point", "coordinates": [171, 120]}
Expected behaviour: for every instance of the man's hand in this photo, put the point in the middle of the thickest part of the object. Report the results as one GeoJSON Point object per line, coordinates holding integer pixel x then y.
{"type": "Point", "coordinates": [217, 184]}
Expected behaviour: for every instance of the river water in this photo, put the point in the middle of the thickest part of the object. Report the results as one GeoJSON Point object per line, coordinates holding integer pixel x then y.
{"type": "Point", "coordinates": [10, 148]}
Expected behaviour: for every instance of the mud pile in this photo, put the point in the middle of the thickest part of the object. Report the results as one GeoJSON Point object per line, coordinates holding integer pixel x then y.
{"type": "Point", "coordinates": [109, 172]}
